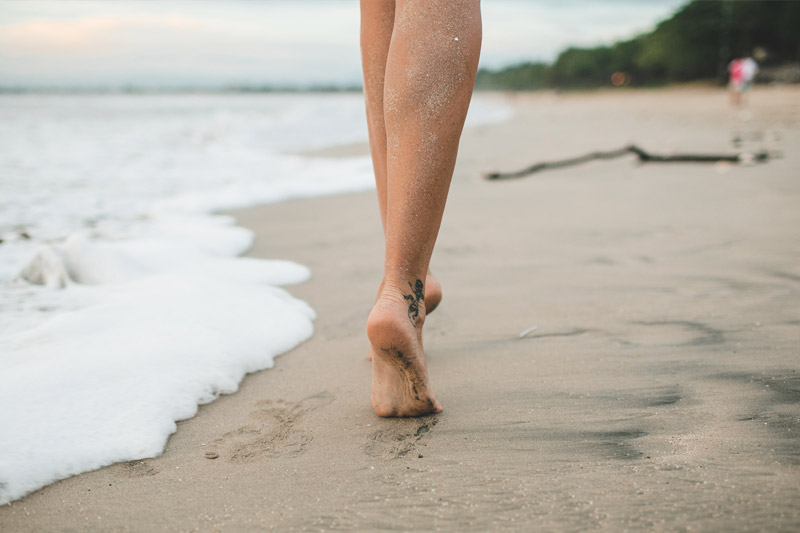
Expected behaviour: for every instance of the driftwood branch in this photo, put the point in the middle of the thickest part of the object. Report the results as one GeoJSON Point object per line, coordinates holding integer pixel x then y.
{"type": "Point", "coordinates": [643, 156]}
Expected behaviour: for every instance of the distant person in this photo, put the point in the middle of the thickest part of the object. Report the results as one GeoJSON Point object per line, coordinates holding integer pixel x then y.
{"type": "Point", "coordinates": [749, 71]}
{"type": "Point", "coordinates": [742, 72]}
{"type": "Point", "coordinates": [419, 59]}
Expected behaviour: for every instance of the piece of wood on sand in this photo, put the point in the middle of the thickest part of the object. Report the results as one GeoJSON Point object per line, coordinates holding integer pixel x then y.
{"type": "Point", "coordinates": [642, 155]}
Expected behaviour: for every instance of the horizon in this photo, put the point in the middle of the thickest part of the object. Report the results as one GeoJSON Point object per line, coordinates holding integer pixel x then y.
{"type": "Point", "coordinates": [280, 44]}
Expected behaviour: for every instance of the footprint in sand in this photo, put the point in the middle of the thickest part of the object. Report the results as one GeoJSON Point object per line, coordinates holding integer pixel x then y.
{"type": "Point", "coordinates": [275, 431]}
{"type": "Point", "coordinates": [673, 333]}
{"type": "Point", "coordinates": [138, 468]}
{"type": "Point", "coordinates": [401, 438]}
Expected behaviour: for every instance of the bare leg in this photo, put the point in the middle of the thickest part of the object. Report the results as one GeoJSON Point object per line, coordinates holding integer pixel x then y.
{"type": "Point", "coordinates": [736, 98]}
{"type": "Point", "coordinates": [377, 24]}
{"type": "Point", "coordinates": [430, 70]}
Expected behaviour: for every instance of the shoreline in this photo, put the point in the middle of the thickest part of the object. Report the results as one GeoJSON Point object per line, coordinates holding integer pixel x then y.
{"type": "Point", "coordinates": [658, 391]}
{"type": "Point", "coordinates": [356, 149]}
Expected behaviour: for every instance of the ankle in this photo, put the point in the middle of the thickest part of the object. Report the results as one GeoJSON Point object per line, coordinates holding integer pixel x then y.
{"type": "Point", "coordinates": [408, 295]}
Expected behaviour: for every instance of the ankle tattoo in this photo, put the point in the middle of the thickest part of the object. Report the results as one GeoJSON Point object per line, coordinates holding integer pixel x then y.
{"type": "Point", "coordinates": [417, 295]}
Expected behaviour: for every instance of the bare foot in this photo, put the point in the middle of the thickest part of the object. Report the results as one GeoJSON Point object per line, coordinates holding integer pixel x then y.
{"type": "Point", "coordinates": [433, 296]}
{"type": "Point", "coordinates": [433, 293]}
{"type": "Point", "coordinates": [399, 373]}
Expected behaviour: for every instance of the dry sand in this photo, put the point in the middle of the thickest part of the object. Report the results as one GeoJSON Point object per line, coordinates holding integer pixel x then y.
{"type": "Point", "coordinates": [660, 390]}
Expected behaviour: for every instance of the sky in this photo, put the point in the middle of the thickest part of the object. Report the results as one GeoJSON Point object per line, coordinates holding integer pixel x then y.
{"type": "Point", "coordinates": [217, 43]}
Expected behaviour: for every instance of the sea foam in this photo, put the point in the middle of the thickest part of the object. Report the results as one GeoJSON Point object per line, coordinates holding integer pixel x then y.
{"type": "Point", "coordinates": [147, 330]}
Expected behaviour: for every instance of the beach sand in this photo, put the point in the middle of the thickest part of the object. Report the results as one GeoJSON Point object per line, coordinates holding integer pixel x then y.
{"type": "Point", "coordinates": [659, 389]}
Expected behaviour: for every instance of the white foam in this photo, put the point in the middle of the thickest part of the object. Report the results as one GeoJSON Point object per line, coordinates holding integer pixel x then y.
{"type": "Point", "coordinates": [147, 330]}
{"type": "Point", "coordinates": [106, 382]}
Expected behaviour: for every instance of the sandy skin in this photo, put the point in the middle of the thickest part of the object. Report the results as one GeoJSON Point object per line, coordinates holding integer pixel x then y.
{"type": "Point", "coordinates": [419, 62]}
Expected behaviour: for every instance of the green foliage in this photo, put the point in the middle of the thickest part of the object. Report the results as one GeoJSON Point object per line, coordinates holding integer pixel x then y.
{"type": "Point", "coordinates": [697, 42]}
{"type": "Point", "coordinates": [684, 47]}
{"type": "Point", "coordinates": [524, 77]}
{"type": "Point", "coordinates": [581, 67]}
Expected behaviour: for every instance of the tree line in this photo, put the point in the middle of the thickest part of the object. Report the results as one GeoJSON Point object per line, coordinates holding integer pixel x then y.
{"type": "Point", "coordinates": [696, 43]}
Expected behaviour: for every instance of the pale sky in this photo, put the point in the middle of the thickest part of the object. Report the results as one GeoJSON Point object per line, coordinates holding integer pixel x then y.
{"type": "Point", "coordinates": [222, 42]}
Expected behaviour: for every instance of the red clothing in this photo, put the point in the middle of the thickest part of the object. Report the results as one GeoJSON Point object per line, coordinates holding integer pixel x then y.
{"type": "Point", "coordinates": [736, 71]}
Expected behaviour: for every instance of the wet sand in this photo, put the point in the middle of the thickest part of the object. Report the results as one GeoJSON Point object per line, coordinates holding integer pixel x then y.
{"type": "Point", "coordinates": [659, 389]}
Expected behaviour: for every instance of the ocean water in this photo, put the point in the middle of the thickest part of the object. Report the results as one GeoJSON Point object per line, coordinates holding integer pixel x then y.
{"type": "Point", "coordinates": [124, 302]}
